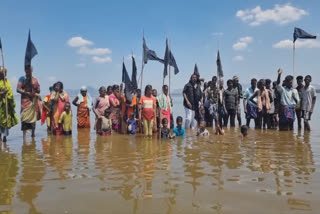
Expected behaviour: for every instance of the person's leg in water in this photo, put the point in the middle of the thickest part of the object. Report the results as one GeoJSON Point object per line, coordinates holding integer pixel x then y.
{"type": "Point", "coordinates": [298, 114]}
{"type": "Point", "coordinates": [232, 114]}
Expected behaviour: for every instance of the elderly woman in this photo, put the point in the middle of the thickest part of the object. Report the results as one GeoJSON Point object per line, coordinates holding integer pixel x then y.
{"type": "Point", "coordinates": [58, 98]}
{"type": "Point", "coordinates": [8, 116]}
{"type": "Point", "coordinates": [29, 88]}
{"type": "Point", "coordinates": [83, 101]}
{"type": "Point", "coordinates": [99, 106]}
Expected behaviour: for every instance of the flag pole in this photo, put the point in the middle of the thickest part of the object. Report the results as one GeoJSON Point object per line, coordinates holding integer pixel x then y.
{"type": "Point", "coordinates": [142, 66]}
{"type": "Point", "coordinates": [5, 86]}
{"type": "Point", "coordinates": [293, 59]}
{"type": "Point", "coordinates": [169, 73]}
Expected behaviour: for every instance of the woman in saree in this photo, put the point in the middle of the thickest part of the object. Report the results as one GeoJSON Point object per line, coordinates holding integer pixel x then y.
{"type": "Point", "coordinates": [83, 101]}
{"type": "Point", "coordinates": [29, 88]}
{"type": "Point", "coordinates": [8, 116]}
{"type": "Point", "coordinates": [115, 107]}
{"type": "Point", "coordinates": [99, 106]}
{"type": "Point", "coordinates": [165, 105]}
{"type": "Point", "coordinates": [58, 98]}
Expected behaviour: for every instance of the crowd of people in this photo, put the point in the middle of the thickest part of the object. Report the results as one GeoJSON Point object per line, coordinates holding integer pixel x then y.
{"type": "Point", "coordinates": [271, 105]}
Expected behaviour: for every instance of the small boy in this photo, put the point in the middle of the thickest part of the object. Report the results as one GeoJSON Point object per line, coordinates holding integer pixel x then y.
{"type": "Point", "coordinates": [66, 120]}
{"type": "Point", "coordinates": [131, 124]}
{"type": "Point", "coordinates": [202, 131]}
{"type": "Point", "coordinates": [244, 131]}
{"type": "Point", "coordinates": [179, 129]}
{"type": "Point", "coordinates": [165, 131]}
{"type": "Point", "coordinates": [106, 123]}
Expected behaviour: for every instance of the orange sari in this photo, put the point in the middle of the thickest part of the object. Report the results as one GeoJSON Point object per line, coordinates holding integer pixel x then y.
{"type": "Point", "coordinates": [83, 115]}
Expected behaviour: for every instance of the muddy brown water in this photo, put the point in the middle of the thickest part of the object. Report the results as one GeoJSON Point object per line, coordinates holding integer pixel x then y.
{"type": "Point", "coordinates": [269, 172]}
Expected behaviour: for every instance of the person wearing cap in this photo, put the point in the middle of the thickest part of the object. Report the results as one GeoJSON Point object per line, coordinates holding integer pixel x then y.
{"type": "Point", "coordinates": [8, 116]}
{"type": "Point", "coordinates": [29, 88]}
{"type": "Point", "coordinates": [238, 87]}
{"type": "Point", "coordinates": [83, 101]}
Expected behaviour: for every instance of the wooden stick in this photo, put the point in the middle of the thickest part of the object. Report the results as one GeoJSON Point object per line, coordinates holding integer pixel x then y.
{"type": "Point", "coordinates": [5, 87]}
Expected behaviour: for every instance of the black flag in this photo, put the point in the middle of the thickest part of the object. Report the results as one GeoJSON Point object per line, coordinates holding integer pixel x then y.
{"type": "Point", "coordinates": [301, 34]}
{"type": "Point", "coordinates": [219, 66]}
{"type": "Point", "coordinates": [196, 71]}
{"type": "Point", "coordinates": [128, 90]}
{"type": "Point", "coordinates": [0, 44]}
{"type": "Point", "coordinates": [169, 60]}
{"type": "Point", "coordinates": [31, 51]}
{"type": "Point", "coordinates": [134, 75]}
{"type": "Point", "coordinates": [166, 59]}
{"type": "Point", "coordinates": [149, 54]}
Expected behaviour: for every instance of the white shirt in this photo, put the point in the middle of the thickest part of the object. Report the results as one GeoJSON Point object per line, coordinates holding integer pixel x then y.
{"type": "Point", "coordinates": [307, 95]}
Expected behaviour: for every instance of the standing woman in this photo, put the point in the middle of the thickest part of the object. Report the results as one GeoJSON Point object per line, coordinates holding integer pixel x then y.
{"type": "Point", "coordinates": [165, 105]}
{"type": "Point", "coordinates": [114, 100]}
{"type": "Point", "coordinates": [29, 88]}
{"type": "Point", "coordinates": [58, 99]}
{"type": "Point", "coordinates": [83, 101]}
{"type": "Point", "coordinates": [100, 105]}
{"type": "Point", "coordinates": [8, 116]}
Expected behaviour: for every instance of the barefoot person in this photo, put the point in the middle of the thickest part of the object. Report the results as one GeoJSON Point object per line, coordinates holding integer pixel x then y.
{"type": "Point", "coordinates": [8, 116]}
{"type": "Point", "coordinates": [83, 101]}
{"type": "Point", "coordinates": [309, 95]}
{"type": "Point", "coordinates": [29, 88]}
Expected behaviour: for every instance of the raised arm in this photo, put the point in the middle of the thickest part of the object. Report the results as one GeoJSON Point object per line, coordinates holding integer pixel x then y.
{"type": "Point", "coordinates": [75, 100]}
{"type": "Point", "coordinates": [255, 94]}
{"type": "Point", "coordinates": [279, 76]}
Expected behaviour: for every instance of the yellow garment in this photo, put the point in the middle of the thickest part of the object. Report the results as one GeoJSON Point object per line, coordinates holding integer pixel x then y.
{"type": "Point", "coordinates": [30, 114]}
{"type": "Point", "coordinates": [147, 127]}
{"type": "Point", "coordinates": [10, 120]}
{"type": "Point", "coordinates": [66, 121]}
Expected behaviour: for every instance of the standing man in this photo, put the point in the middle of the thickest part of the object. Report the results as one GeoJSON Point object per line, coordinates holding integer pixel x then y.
{"type": "Point", "coordinates": [298, 106]}
{"type": "Point", "coordinates": [29, 88]}
{"type": "Point", "coordinates": [238, 86]}
{"type": "Point", "coordinates": [189, 102]}
{"type": "Point", "coordinates": [288, 100]}
{"type": "Point", "coordinates": [309, 96]}
{"type": "Point", "coordinates": [250, 109]}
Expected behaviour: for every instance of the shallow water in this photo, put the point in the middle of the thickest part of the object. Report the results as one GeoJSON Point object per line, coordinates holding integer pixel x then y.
{"type": "Point", "coordinates": [269, 172]}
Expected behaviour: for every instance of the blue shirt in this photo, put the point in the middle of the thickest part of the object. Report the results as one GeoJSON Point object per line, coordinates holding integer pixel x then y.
{"type": "Point", "coordinates": [178, 132]}
{"type": "Point", "coordinates": [131, 126]}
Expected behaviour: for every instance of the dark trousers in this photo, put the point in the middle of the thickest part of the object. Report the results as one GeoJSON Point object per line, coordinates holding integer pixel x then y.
{"type": "Point", "coordinates": [298, 113]}
{"type": "Point", "coordinates": [231, 113]}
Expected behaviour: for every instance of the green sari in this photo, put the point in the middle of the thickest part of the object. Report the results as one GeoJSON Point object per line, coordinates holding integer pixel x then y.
{"type": "Point", "coordinates": [12, 116]}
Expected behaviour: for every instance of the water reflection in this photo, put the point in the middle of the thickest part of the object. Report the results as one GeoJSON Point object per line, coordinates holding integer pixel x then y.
{"type": "Point", "coordinates": [33, 171]}
{"type": "Point", "coordinates": [140, 175]}
{"type": "Point", "coordinates": [8, 172]}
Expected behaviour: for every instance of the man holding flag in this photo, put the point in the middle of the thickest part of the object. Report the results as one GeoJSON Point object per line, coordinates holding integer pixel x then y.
{"type": "Point", "coordinates": [29, 88]}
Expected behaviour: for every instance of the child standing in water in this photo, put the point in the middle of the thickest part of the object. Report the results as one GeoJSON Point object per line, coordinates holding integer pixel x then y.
{"type": "Point", "coordinates": [131, 124]}
{"type": "Point", "coordinates": [148, 110]}
{"type": "Point", "coordinates": [179, 129]}
{"type": "Point", "coordinates": [106, 123]}
{"type": "Point", "coordinates": [244, 131]}
{"type": "Point", "coordinates": [165, 131]}
{"type": "Point", "coordinates": [202, 131]}
{"type": "Point", "coordinates": [66, 120]}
